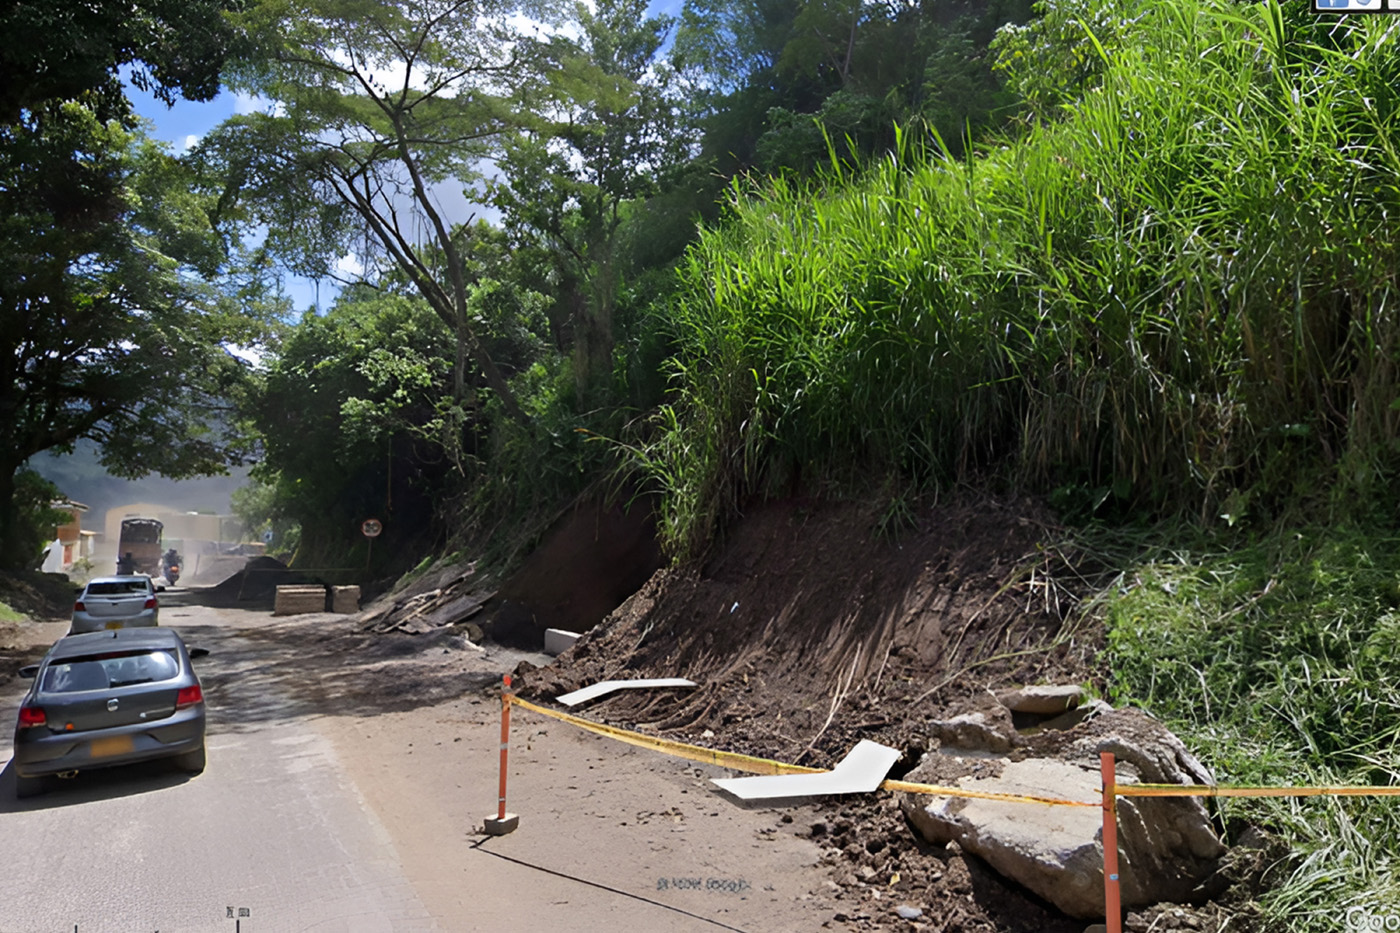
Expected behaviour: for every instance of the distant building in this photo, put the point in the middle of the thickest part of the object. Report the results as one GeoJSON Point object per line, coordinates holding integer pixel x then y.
{"type": "Point", "coordinates": [76, 543]}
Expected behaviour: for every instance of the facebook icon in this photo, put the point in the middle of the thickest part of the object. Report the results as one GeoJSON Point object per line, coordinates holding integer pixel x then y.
{"type": "Point", "coordinates": [1348, 6]}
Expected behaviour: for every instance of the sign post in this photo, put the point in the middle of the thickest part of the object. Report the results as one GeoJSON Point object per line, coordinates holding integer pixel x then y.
{"type": "Point", "coordinates": [371, 528]}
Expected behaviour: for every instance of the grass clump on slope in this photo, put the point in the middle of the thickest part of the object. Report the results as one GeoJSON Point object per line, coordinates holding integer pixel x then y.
{"type": "Point", "coordinates": [1181, 292]}
{"type": "Point", "coordinates": [1278, 661]}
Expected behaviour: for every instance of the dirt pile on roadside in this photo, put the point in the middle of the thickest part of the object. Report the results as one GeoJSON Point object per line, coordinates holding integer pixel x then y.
{"type": "Point", "coordinates": [808, 631]}
{"type": "Point", "coordinates": [43, 597]}
{"type": "Point", "coordinates": [256, 584]}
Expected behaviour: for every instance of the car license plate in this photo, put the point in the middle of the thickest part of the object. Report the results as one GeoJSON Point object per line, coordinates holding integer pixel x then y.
{"type": "Point", "coordinates": [113, 745]}
{"type": "Point", "coordinates": [112, 625]}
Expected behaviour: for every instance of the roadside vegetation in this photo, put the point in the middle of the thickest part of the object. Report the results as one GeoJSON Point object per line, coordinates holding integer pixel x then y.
{"type": "Point", "coordinates": [1275, 656]}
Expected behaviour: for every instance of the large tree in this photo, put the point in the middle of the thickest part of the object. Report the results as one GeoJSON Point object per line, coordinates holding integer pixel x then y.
{"type": "Point", "coordinates": [108, 331]}
{"type": "Point", "coordinates": [610, 126]}
{"type": "Point", "coordinates": [381, 108]}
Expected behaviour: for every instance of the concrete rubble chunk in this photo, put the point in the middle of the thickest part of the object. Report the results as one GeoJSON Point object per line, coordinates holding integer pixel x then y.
{"type": "Point", "coordinates": [983, 730]}
{"type": "Point", "coordinates": [1042, 699]}
{"type": "Point", "coordinates": [557, 641]}
{"type": "Point", "coordinates": [345, 599]}
{"type": "Point", "coordinates": [1168, 847]}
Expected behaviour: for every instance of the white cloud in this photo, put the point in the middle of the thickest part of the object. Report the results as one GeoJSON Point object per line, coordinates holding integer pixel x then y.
{"type": "Point", "coordinates": [350, 266]}
{"type": "Point", "coordinates": [248, 103]}
{"type": "Point", "coordinates": [191, 141]}
{"type": "Point", "coordinates": [254, 356]}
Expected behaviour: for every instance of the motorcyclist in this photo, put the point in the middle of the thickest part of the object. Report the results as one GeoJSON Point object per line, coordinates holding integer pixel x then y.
{"type": "Point", "coordinates": [170, 565]}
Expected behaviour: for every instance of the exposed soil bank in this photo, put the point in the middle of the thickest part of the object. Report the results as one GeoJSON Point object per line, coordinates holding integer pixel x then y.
{"type": "Point", "coordinates": [808, 631]}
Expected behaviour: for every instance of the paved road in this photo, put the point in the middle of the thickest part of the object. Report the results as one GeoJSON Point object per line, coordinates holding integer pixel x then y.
{"type": "Point", "coordinates": [274, 827]}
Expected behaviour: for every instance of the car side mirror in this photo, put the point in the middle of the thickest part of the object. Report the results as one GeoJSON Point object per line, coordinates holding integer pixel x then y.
{"type": "Point", "coordinates": [197, 653]}
{"type": "Point", "coordinates": [160, 589]}
{"type": "Point", "coordinates": [29, 671]}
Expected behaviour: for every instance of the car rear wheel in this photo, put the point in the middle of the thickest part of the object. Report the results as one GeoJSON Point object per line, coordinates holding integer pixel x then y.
{"type": "Point", "coordinates": [29, 786]}
{"type": "Point", "coordinates": [191, 762]}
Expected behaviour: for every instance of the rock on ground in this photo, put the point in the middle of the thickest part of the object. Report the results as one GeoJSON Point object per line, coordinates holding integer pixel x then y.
{"type": "Point", "coordinates": [1168, 848]}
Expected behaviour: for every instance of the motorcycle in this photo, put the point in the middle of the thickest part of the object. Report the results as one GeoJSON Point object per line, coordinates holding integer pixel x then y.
{"type": "Point", "coordinates": [170, 568]}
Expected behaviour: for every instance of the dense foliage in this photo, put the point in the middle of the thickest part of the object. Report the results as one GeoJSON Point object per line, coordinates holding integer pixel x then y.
{"type": "Point", "coordinates": [1178, 295]}
{"type": "Point", "coordinates": [1276, 658]}
{"type": "Point", "coordinates": [107, 330]}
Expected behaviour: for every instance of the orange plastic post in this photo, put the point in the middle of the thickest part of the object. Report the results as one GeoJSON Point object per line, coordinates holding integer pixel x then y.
{"type": "Point", "coordinates": [505, 745]}
{"type": "Point", "coordinates": [1113, 911]}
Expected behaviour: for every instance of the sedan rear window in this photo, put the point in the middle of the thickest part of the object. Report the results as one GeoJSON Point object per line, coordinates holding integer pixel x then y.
{"type": "Point", "coordinates": [117, 587]}
{"type": "Point", "coordinates": [117, 669]}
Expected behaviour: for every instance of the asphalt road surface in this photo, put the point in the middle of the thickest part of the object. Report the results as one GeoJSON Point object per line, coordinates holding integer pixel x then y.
{"type": "Point", "coordinates": [273, 836]}
{"type": "Point", "coordinates": [348, 775]}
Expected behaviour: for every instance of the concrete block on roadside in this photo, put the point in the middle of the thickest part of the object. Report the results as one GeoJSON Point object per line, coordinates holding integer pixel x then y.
{"type": "Point", "coordinates": [296, 599]}
{"type": "Point", "coordinates": [345, 599]}
{"type": "Point", "coordinates": [557, 641]}
{"type": "Point", "coordinates": [496, 826]}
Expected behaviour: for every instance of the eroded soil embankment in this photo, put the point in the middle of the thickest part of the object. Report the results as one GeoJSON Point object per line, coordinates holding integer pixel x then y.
{"type": "Point", "coordinates": [808, 631]}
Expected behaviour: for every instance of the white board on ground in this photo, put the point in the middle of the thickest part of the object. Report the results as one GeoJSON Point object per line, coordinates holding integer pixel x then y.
{"type": "Point", "coordinates": [860, 772]}
{"type": "Point", "coordinates": [602, 688]}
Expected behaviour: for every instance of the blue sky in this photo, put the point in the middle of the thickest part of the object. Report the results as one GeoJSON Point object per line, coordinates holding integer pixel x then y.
{"type": "Point", "coordinates": [186, 122]}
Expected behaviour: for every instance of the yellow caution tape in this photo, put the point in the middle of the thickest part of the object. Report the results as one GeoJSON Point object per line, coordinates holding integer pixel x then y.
{"type": "Point", "coordinates": [709, 756]}
{"type": "Point", "coordinates": [753, 765]}
{"type": "Point", "coordinates": [936, 791]}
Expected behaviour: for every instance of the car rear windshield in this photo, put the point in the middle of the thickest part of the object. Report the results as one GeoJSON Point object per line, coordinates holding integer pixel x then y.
{"type": "Point", "coordinates": [117, 587]}
{"type": "Point", "coordinates": [114, 669]}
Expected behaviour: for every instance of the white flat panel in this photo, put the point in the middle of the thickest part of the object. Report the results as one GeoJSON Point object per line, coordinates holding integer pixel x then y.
{"type": "Point", "coordinates": [860, 772]}
{"type": "Point", "coordinates": [608, 686]}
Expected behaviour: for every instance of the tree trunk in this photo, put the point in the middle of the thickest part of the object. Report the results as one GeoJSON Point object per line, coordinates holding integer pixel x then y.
{"type": "Point", "coordinates": [11, 545]}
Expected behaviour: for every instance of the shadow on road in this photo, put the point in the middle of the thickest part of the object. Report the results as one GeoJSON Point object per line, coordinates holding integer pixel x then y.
{"type": "Point", "coordinates": [88, 786]}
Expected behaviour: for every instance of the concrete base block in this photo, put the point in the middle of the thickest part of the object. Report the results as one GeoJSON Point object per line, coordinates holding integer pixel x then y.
{"type": "Point", "coordinates": [293, 600]}
{"type": "Point", "coordinates": [496, 826]}
{"type": "Point", "coordinates": [557, 641]}
{"type": "Point", "coordinates": [345, 599]}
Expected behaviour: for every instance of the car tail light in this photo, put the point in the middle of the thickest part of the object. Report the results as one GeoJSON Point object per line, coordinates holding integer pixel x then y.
{"type": "Point", "coordinates": [188, 696]}
{"type": "Point", "coordinates": [151, 603]}
{"type": "Point", "coordinates": [79, 607]}
{"type": "Point", "coordinates": [30, 716]}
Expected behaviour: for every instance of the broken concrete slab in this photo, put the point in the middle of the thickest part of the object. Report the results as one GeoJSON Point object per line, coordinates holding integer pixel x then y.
{"type": "Point", "coordinates": [603, 688]}
{"type": "Point", "coordinates": [1042, 699]}
{"type": "Point", "coordinates": [862, 771]}
{"type": "Point", "coordinates": [1053, 851]}
{"type": "Point", "coordinates": [1168, 847]}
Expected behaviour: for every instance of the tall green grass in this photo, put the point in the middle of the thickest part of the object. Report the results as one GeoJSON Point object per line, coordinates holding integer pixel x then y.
{"type": "Point", "coordinates": [1181, 292]}
{"type": "Point", "coordinates": [1278, 662]}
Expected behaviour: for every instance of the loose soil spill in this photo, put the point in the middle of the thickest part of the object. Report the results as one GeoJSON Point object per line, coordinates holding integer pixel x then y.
{"type": "Point", "coordinates": [808, 631]}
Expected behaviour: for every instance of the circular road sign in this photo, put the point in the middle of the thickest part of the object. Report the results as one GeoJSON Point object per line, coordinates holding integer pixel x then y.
{"type": "Point", "coordinates": [372, 527]}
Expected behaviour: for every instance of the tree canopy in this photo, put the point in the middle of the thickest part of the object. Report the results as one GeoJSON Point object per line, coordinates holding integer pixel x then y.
{"type": "Point", "coordinates": [107, 330]}
{"type": "Point", "coordinates": [60, 51]}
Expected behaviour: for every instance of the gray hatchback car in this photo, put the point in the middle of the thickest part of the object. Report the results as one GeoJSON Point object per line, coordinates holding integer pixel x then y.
{"type": "Point", "coordinates": [109, 698]}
